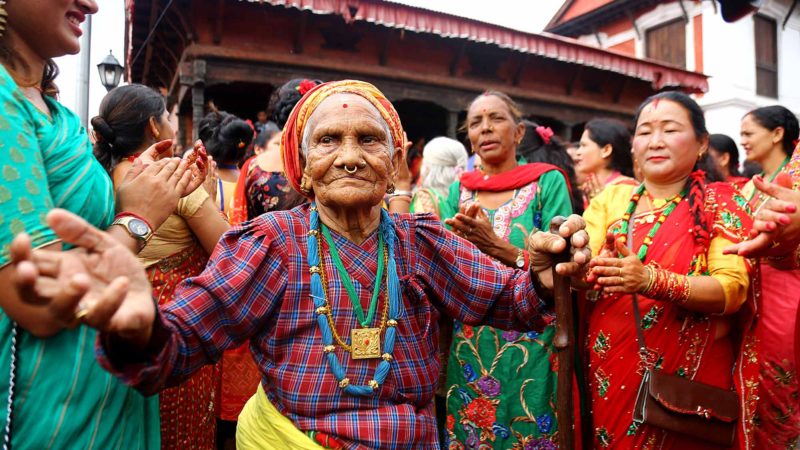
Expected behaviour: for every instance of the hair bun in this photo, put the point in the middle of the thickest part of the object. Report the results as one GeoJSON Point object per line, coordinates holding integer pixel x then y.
{"type": "Point", "coordinates": [102, 130]}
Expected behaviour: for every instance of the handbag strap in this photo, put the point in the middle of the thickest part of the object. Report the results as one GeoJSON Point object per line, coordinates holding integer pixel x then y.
{"type": "Point", "coordinates": [637, 316]}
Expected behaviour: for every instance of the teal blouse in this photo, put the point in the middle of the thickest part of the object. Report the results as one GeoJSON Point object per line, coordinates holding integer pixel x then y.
{"type": "Point", "coordinates": [63, 398]}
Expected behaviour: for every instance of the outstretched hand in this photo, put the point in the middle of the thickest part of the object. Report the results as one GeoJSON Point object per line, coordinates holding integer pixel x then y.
{"type": "Point", "coordinates": [472, 223]}
{"type": "Point", "coordinates": [544, 249]}
{"type": "Point", "coordinates": [101, 283]}
{"type": "Point", "coordinates": [776, 229]}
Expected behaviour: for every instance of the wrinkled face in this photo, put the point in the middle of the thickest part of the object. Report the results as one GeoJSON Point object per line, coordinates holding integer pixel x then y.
{"type": "Point", "coordinates": [590, 157]}
{"type": "Point", "coordinates": [758, 142]}
{"type": "Point", "coordinates": [492, 131]}
{"type": "Point", "coordinates": [665, 145]}
{"type": "Point", "coordinates": [348, 160]}
{"type": "Point", "coordinates": [60, 18]}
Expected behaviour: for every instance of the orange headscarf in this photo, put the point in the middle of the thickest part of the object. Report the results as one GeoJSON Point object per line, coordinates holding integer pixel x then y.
{"type": "Point", "coordinates": [295, 126]}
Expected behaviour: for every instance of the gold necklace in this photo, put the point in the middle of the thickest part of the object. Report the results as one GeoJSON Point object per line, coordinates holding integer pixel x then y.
{"type": "Point", "coordinates": [329, 314]}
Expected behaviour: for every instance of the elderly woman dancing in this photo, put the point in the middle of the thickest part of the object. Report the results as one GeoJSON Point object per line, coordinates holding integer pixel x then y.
{"type": "Point", "coordinates": [338, 299]}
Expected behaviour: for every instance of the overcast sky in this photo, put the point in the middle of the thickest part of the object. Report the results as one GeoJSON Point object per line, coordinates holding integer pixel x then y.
{"type": "Point", "coordinates": [108, 28]}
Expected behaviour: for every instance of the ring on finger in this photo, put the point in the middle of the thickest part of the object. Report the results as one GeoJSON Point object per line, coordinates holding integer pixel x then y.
{"type": "Point", "coordinates": [82, 312]}
{"type": "Point", "coordinates": [619, 272]}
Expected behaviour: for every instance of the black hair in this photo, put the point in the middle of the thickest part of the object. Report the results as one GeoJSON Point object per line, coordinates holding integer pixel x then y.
{"type": "Point", "coordinates": [772, 117]}
{"type": "Point", "coordinates": [285, 97]}
{"type": "Point", "coordinates": [534, 150]}
{"type": "Point", "coordinates": [751, 169]}
{"type": "Point", "coordinates": [723, 144]}
{"type": "Point", "coordinates": [707, 165]}
{"type": "Point", "coordinates": [609, 131]}
{"type": "Point", "coordinates": [696, 184]}
{"type": "Point", "coordinates": [120, 126]}
{"type": "Point", "coordinates": [269, 130]}
{"type": "Point", "coordinates": [225, 136]}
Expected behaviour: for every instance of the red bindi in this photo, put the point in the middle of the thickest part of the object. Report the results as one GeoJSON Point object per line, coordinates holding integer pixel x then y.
{"type": "Point", "coordinates": [344, 105]}
{"type": "Point", "coordinates": [655, 103]}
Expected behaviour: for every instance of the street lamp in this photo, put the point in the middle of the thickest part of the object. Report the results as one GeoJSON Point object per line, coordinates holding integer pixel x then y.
{"type": "Point", "coordinates": [110, 71]}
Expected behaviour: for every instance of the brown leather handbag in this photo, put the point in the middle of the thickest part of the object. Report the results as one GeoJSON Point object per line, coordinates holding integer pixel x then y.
{"type": "Point", "coordinates": [677, 404]}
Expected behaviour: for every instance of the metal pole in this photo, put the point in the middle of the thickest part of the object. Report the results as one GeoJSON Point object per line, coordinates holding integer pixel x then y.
{"type": "Point", "coordinates": [82, 102]}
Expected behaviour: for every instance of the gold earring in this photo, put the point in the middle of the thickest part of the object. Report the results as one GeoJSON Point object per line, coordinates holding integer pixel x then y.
{"type": "Point", "coordinates": [390, 188]}
{"type": "Point", "coordinates": [157, 135]}
{"type": "Point", "coordinates": [3, 17]}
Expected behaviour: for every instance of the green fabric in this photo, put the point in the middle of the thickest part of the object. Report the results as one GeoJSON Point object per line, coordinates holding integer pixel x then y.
{"type": "Point", "coordinates": [500, 384]}
{"type": "Point", "coordinates": [63, 398]}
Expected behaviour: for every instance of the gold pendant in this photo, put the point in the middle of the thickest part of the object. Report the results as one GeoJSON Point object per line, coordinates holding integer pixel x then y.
{"type": "Point", "coordinates": [365, 342]}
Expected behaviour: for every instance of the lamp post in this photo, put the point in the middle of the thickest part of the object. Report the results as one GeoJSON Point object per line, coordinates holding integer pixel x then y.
{"type": "Point", "coordinates": [110, 71]}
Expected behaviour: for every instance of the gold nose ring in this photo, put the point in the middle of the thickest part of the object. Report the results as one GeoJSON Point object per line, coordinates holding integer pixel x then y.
{"type": "Point", "coordinates": [350, 170]}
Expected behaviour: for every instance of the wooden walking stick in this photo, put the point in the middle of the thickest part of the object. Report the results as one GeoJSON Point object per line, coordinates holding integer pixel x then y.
{"type": "Point", "coordinates": [564, 343]}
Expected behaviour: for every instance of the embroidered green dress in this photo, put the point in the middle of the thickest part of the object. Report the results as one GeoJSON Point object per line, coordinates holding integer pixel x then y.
{"type": "Point", "coordinates": [501, 384]}
{"type": "Point", "coordinates": [62, 397]}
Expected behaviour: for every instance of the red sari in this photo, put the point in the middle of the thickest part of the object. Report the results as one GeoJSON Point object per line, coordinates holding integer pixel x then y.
{"type": "Point", "coordinates": [683, 341]}
{"type": "Point", "coordinates": [188, 411]}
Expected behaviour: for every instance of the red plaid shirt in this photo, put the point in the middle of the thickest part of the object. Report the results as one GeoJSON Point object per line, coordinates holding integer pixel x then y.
{"type": "Point", "coordinates": [257, 286]}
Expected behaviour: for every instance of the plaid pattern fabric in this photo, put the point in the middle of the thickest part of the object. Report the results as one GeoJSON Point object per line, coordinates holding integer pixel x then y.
{"type": "Point", "coordinates": [257, 286]}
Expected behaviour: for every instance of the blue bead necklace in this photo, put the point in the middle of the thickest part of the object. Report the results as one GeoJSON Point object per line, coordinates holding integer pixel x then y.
{"type": "Point", "coordinates": [321, 306]}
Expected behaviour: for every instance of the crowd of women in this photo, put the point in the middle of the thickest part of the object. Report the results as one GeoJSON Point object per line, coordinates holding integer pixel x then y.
{"type": "Point", "coordinates": [271, 288]}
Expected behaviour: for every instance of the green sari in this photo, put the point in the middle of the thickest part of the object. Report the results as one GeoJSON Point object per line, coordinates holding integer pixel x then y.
{"type": "Point", "coordinates": [501, 384]}
{"type": "Point", "coordinates": [62, 397]}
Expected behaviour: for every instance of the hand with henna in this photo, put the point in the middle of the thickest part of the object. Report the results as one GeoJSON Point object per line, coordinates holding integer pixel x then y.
{"type": "Point", "coordinates": [776, 229]}
{"type": "Point", "coordinates": [624, 275]}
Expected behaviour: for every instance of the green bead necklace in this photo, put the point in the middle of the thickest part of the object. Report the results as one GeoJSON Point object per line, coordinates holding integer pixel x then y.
{"type": "Point", "coordinates": [648, 240]}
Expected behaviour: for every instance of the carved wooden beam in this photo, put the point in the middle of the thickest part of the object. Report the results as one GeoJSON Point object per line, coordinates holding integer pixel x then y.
{"type": "Point", "coordinates": [148, 52]}
{"type": "Point", "coordinates": [218, 24]}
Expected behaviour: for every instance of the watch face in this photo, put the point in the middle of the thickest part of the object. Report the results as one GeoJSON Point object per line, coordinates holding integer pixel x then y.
{"type": "Point", "coordinates": [138, 227]}
{"type": "Point", "coordinates": [520, 263]}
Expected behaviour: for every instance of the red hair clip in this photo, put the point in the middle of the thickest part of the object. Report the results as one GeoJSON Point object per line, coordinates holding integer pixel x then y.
{"type": "Point", "coordinates": [545, 133]}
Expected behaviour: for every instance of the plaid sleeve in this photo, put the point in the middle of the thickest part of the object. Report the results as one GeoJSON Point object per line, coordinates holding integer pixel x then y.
{"type": "Point", "coordinates": [217, 310]}
{"type": "Point", "coordinates": [470, 286]}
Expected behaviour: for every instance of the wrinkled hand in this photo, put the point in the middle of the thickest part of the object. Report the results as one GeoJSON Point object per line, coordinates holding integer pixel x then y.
{"type": "Point", "coordinates": [621, 275]}
{"type": "Point", "coordinates": [153, 191]}
{"type": "Point", "coordinates": [102, 284]}
{"type": "Point", "coordinates": [776, 229]}
{"type": "Point", "coordinates": [472, 223]}
{"type": "Point", "coordinates": [544, 248]}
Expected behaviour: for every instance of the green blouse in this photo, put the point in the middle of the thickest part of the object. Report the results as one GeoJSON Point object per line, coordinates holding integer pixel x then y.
{"type": "Point", "coordinates": [62, 397]}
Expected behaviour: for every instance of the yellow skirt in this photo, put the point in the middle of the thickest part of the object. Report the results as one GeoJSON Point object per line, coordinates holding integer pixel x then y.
{"type": "Point", "coordinates": [262, 427]}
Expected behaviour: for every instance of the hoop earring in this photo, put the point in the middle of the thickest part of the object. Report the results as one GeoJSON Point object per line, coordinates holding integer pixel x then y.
{"type": "Point", "coordinates": [3, 17]}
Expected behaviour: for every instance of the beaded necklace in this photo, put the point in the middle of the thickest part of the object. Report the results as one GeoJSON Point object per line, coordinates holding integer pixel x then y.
{"type": "Point", "coordinates": [648, 240]}
{"type": "Point", "coordinates": [348, 284]}
{"type": "Point", "coordinates": [322, 309]}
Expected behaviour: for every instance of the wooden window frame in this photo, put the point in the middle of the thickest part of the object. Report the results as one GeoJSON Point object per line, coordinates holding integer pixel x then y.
{"type": "Point", "coordinates": [763, 68]}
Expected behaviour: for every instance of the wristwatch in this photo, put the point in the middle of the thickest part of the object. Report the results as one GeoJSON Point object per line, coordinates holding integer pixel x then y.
{"type": "Point", "coordinates": [520, 262]}
{"type": "Point", "coordinates": [138, 228]}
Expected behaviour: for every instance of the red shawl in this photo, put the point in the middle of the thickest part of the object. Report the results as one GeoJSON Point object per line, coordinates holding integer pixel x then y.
{"type": "Point", "coordinates": [513, 179]}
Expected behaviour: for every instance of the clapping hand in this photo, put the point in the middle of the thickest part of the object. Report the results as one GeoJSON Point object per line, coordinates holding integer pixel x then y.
{"type": "Point", "coordinates": [102, 284]}
{"type": "Point", "coordinates": [776, 229]}
{"type": "Point", "coordinates": [617, 275]}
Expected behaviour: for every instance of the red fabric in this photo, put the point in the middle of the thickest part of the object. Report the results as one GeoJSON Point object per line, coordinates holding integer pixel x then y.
{"type": "Point", "coordinates": [682, 342]}
{"type": "Point", "coordinates": [188, 411]}
{"type": "Point", "coordinates": [513, 179]}
{"type": "Point", "coordinates": [546, 45]}
{"type": "Point", "coordinates": [239, 213]}
{"type": "Point", "coordinates": [739, 182]}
